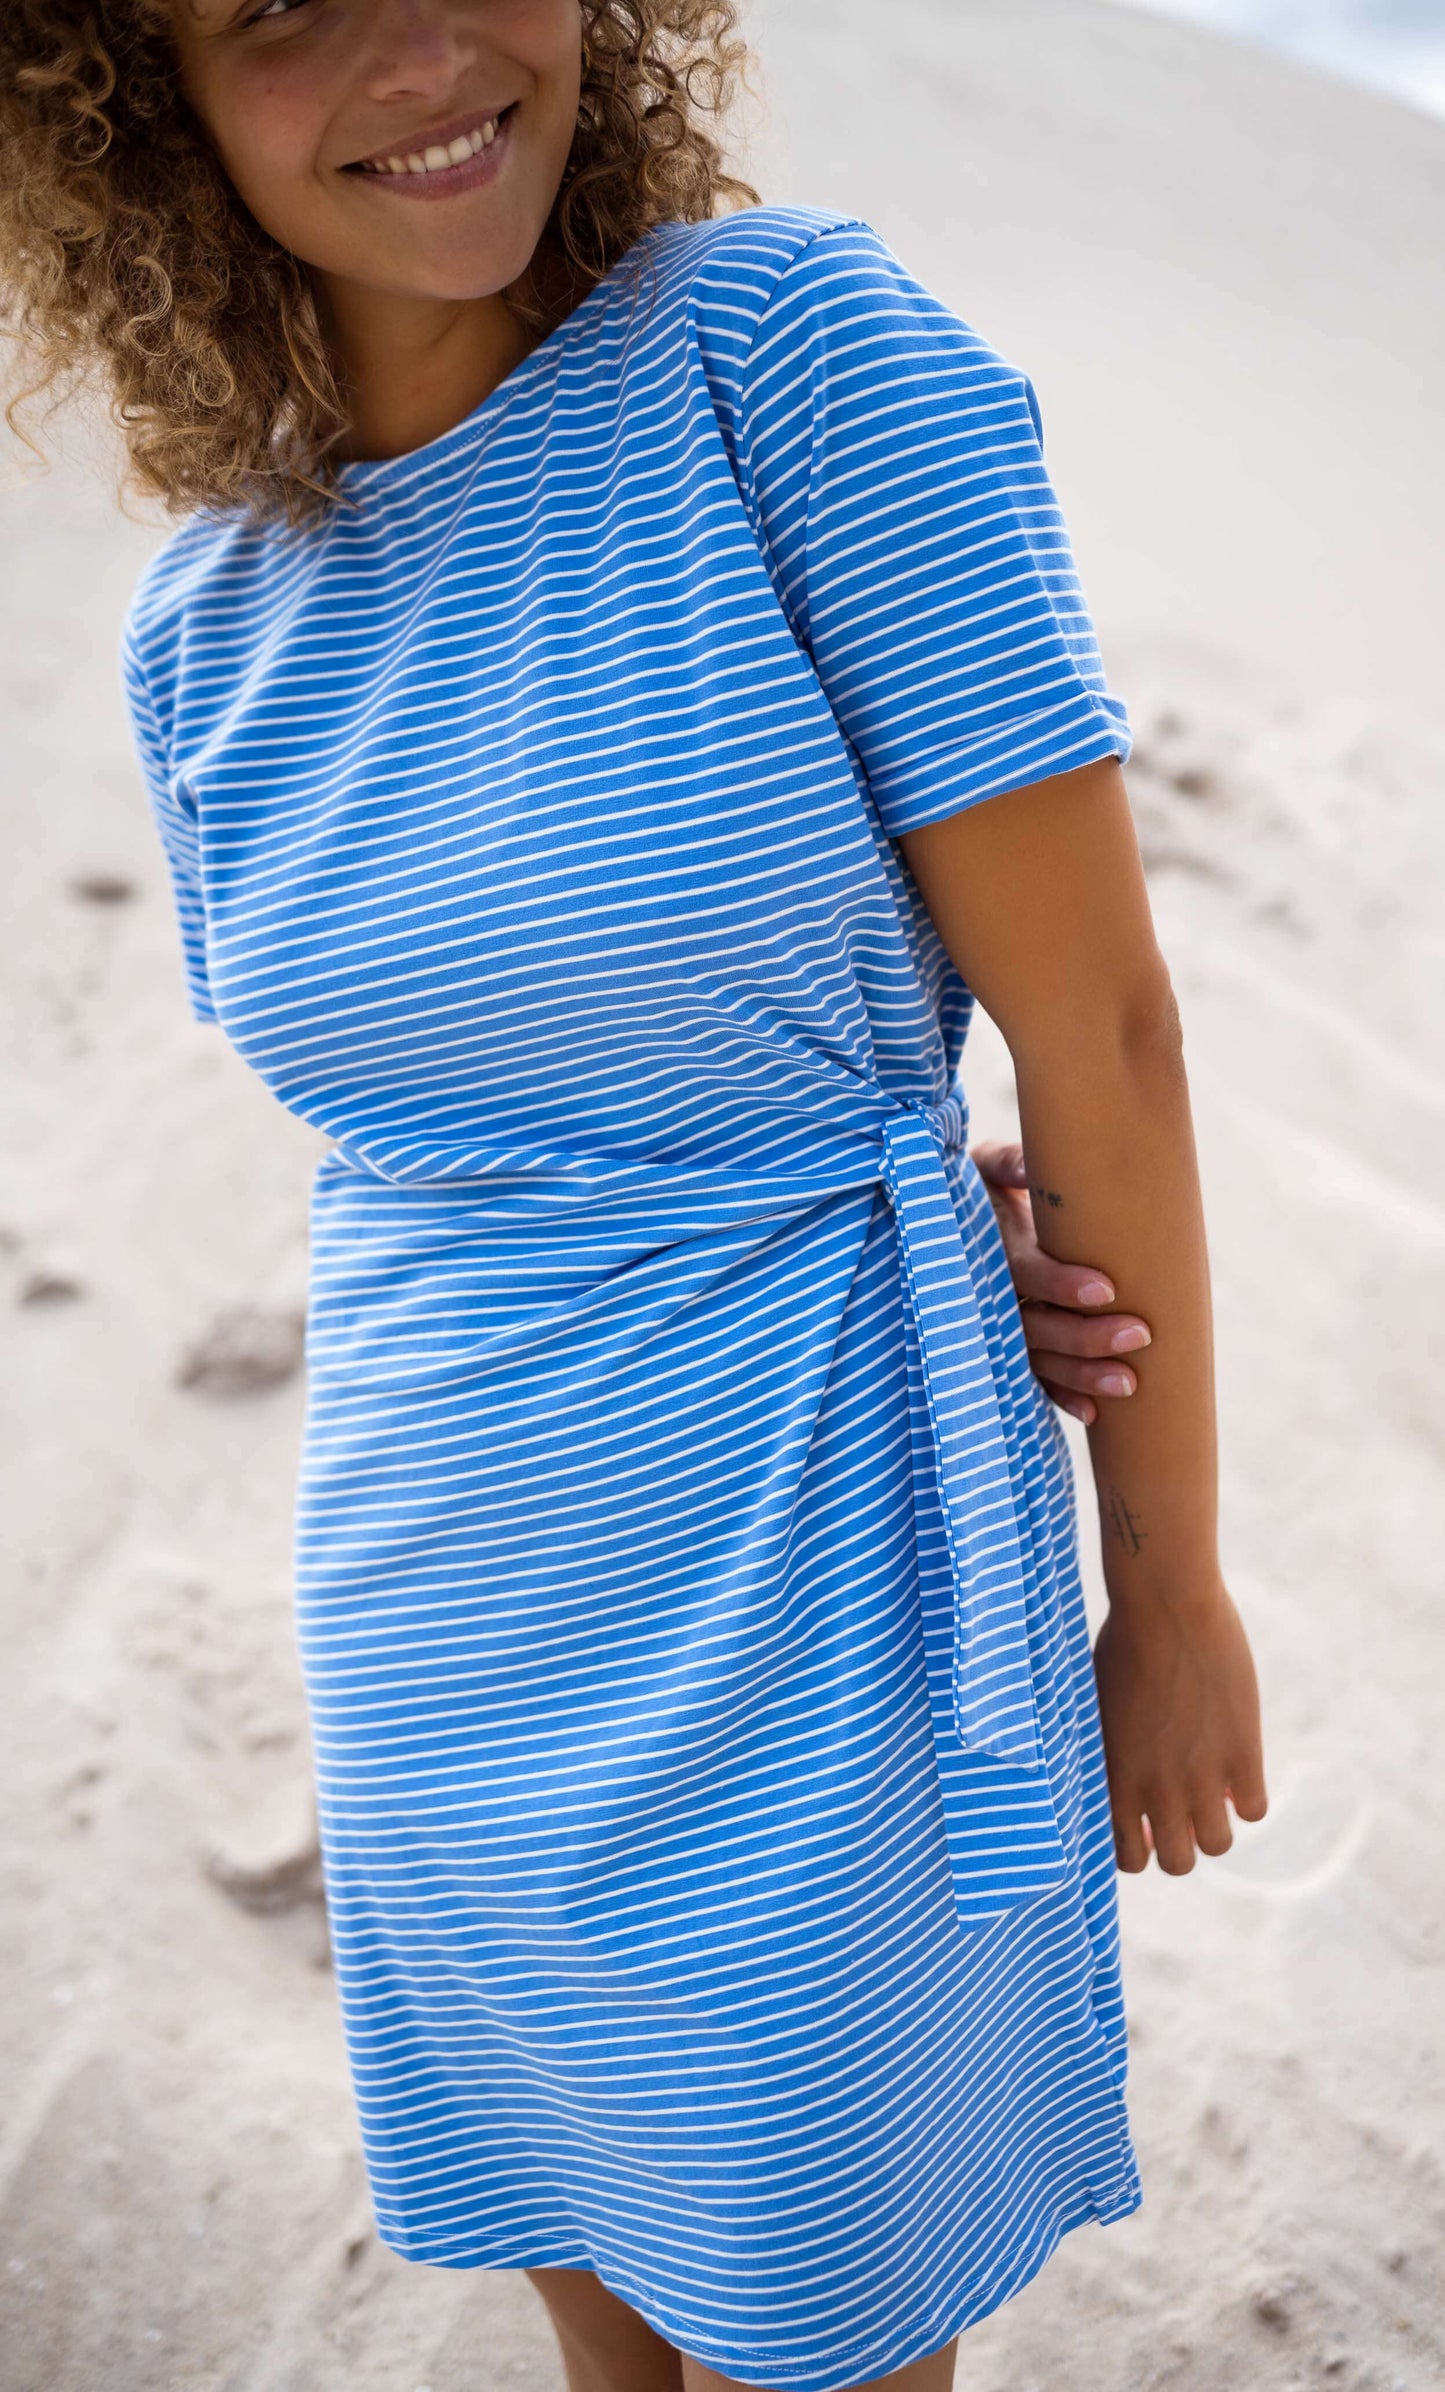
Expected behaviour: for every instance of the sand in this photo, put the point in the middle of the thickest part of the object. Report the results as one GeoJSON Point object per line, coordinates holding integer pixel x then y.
{"type": "Point", "coordinates": [1222, 273]}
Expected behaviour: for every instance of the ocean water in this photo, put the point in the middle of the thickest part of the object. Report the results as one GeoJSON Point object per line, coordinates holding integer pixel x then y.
{"type": "Point", "coordinates": [1395, 46]}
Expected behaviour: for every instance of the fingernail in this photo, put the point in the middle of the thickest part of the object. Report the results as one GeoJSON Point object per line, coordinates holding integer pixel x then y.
{"type": "Point", "coordinates": [1123, 1340]}
{"type": "Point", "coordinates": [1115, 1382]}
{"type": "Point", "coordinates": [1096, 1291]}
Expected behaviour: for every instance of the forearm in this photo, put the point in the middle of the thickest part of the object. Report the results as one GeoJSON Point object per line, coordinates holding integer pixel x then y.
{"type": "Point", "coordinates": [1040, 898]}
{"type": "Point", "coordinates": [1109, 1142]}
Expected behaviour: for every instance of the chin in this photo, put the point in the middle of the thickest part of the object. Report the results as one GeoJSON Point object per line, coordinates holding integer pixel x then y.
{"type": "Point", "coordinates": [451, 267]}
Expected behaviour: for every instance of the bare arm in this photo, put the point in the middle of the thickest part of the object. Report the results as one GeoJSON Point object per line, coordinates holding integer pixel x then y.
{"type": "Point", "coordinates": [1039, 896]}
{"type": "Point", "coordinates": [1077, 1343]}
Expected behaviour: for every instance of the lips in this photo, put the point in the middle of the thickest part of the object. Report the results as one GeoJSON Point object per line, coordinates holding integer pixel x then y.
{"type": "Point", "coordinates": [439, 150]}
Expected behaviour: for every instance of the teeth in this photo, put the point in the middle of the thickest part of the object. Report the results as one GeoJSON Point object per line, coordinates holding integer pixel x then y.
{"type": "Point", "coordinates": [436, 158]}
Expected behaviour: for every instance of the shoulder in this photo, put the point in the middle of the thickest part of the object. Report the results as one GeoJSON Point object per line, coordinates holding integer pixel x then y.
{"type": "Point", "coordinates": [737, 286]}
{"type": "Point", "coordinates": [748, 248]}
{"type": "Point", "coordinates": [731, 271]}
{"type": "Point", "coordinates": [770, 285]}
{"type": "Point", "coordinates": [192, 575]}
{"type": "Point", "coordinates": [809, 307]}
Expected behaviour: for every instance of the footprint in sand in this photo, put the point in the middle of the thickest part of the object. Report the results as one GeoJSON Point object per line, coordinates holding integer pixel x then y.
{"type": "Point", "coordinates": [286, 1881]}
{"type": "Point", "coordinates": [245, 1351]}
{"type": "Point", "coordinates": [102, 888]}
{"type": "Point", "coordinates": [45, 1285]}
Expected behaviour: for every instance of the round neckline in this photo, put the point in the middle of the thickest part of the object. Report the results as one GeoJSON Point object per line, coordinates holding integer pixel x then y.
{"type": "Point", "coordinates": [352, 472]}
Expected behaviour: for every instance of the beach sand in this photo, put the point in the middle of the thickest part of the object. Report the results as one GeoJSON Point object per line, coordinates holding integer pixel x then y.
{"type": "Point", "coordinates": [1222, 273]}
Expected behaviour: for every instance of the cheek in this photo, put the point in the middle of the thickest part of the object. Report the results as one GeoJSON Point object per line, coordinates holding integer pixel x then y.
{"type": "Point", "coordinates": [545, 38]}
{"type": "Point", "coordinates": [268, 138]}
{"type": "Point", "coordinates": [543, 32]}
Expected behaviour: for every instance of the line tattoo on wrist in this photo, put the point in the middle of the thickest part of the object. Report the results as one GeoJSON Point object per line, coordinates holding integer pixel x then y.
{"type": "Point", "coordinates": [1123, 1524]}
{"type": "Point", "coordinates": [1049, 1195]}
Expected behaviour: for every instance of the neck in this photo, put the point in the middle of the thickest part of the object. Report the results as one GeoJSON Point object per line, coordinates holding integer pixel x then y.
{"type": "Point", "coordinates": [411, 368]}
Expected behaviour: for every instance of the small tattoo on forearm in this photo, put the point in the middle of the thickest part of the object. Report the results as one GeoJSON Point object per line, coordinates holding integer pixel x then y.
{"type": "Point", "coordinates": [1049, 1196]}
{"type": "Point", "coordinates": [1122, 1523]}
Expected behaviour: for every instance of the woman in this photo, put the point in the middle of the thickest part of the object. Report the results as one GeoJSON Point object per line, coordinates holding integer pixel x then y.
{"type": "Point", "coordinates": [567, 709]}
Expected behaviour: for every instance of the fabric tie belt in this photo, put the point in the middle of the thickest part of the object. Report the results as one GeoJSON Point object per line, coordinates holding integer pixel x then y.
{"type": "Point", "coordinates": [993, 1700]}
{"type": "Point", "coordinates": [983, 1492]}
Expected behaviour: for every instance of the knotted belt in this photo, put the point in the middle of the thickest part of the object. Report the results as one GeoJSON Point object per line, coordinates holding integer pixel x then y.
{"type": "Point", "coordinates": [983, 1503]}
{"type": "Point", "coordinates": [993, 1701]}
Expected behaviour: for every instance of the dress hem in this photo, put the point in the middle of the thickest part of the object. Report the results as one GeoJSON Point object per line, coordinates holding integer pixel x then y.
{"type": "Point", "coordinates": [859, 2363]}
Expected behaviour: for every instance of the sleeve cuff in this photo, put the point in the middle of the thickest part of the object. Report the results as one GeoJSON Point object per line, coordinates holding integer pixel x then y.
{"type": "Point", "coordinates": [1081, 729]}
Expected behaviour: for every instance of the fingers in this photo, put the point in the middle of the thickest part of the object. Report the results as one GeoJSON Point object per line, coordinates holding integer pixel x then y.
{"type": "Point", "coordinates": [1246, 1788]}
{"type": "Point", "coordinates": [1072, 1348]}
{"type": "Point", "coordinates": [1173, 1830]}
{"type": "Point", "coordinates": [1001, 1162]}
{"type": "Point", "coordinates": [1038, 1275]}
{"type": "Point", "coordinates": [1171, 1834]}
{"type": "Point", "coordinates": [1043, 1279]}
{"type": "Point", "coordinates": [1055, 1331]}
{"type": "Point", "coordinates": [1085, 1378]}
{"type": "Point", "coordinates": [1212, 1831]}
{"type": "Point", "coordinates": [1071, 1355]}
{"type": "Point", "coordinates": [1131, 1847]}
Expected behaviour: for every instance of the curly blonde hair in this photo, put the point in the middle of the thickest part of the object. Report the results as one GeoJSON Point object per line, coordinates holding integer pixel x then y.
{"type": "Point", "coordinates": [128, 262]}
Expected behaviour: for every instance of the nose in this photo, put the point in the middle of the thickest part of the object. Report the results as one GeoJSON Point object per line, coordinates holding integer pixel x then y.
{"type": "Point", "coordinates": [418, 49]}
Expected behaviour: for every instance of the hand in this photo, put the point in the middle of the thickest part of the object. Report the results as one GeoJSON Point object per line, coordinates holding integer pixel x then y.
{"type": "Point", "coordinates": [1072, 1344]}
{"type": "Point", "coordinates": [1180, 1710]}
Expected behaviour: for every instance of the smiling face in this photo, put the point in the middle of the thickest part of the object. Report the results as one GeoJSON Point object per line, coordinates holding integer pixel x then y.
{"type": "Point", "coordinates": [406, 147]}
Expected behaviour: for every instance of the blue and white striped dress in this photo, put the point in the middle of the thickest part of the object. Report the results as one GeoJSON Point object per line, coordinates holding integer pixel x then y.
{"type": "Point", "coordinates": [712, 1800]}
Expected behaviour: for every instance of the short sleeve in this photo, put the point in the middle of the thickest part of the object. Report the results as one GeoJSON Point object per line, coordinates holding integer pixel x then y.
{"type": "Point", "coordinates": [174, 815]}
{"type": "Point", "coordinates": [894, 467]}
